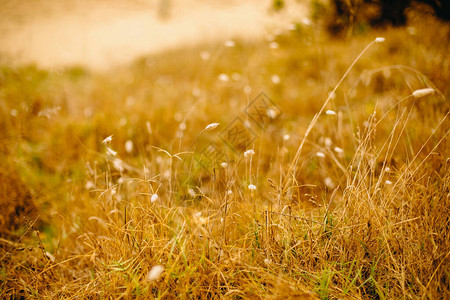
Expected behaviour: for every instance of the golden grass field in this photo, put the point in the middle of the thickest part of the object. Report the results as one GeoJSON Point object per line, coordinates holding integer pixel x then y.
{"type": "Point", "coordinates": [344, 196]}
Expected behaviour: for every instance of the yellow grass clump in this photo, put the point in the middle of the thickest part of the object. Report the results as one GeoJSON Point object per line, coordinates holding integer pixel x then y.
{"type": "Point", "coordinates": [331, 181]}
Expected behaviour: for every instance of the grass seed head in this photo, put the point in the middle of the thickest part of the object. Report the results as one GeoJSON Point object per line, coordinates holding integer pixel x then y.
{"type": "Point", "coordinates": [212, 126]}
{"type": "Point", "coordinates": [155, 273]}
{"type": "Point", "coordinates": [423, 92]}
{"type": "Point", "coordinates": [249, 153]}
{"type": "Point", "coordinates": [129, 146]}
{"type": "Point", "coordinates": [107, 140]}
{"type": "Point", "coordinates": [154, 198]}
{"type": "Point", "coordinates": [320, 154]}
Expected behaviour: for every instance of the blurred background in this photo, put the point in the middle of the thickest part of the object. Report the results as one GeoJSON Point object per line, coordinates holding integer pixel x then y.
{"type": "Point", "coordinates": [99, 34]}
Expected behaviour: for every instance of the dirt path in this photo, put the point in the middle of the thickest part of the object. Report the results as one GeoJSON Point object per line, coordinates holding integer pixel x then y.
{"type": "Point", "coordinates": [104, 33]}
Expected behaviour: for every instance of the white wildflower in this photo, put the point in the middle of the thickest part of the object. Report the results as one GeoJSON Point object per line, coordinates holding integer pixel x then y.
{"type": "Point", "coordinates": [388, 182]}
{"type": "Point", "coordinates": [224, 165]}
{"type": "Point", "coordinates": [380, 40]}
{"type": "Point", "coordinates": [251, 187]}
{"type": "Point", "coordinates": [155, 273]}
{"type": "Point", "coordinates": [267, 261]}
{"type": "Point", "coordinates": [387, 169]}
{"type": "Point", "coordinates": [328, 142]}
{"type": "Point", "coordinates": [330, 112]}
{"type": "Point", "coordinates": [286, 137]}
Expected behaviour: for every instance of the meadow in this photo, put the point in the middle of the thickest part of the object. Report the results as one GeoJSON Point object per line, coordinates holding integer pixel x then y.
{"type": "Point", "coordinates": [303, 166]}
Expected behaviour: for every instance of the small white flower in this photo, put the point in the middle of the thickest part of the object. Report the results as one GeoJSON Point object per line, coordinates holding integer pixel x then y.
{"type": "Point", "coordinates": [230, 44]}
{"type": "Point", "coordinates": [251, 187]}
{"type": "Point", "coordinates": [110, 151]}
{"type": "Point", "coordinates": [182, 126]}
{"type": "Point", "coordinates": [380, 40]}
{"type": "Point", "coordinates": [154, 198]}
{"type": "Point", "coordinates": [155, 273]}
{"type": "Point", "coordinates": [387, 169]}
{"type": "Point", "coordinates": [229, 192]}
{"type": "Point", "coordinates": [107, 140]}
{"type": "Point", "coordinates": [320, 154]}
{"type": "Point", "coordinates": [198, 214]}
{"type": "Point", "coordinates": [129, 146]}
{"type": "Point", "coordinates": [330, 112]}
{"type": "Point", "coordinates": [328, 142]}
{"type": "Point", "coordinates": [13, 112]}
{"type": "Point", "coordinates": [224, 77]}
{"type": "Point", "coordinates": [212, 126]}
{"type": "Point", "coordinates": [267, 261]}
{"type": "Point", "coordinates": [388, 182]}
{"type": "Point", "coordinates": [423, 92]}
{"type": "Point", "coordinates": [224, 165]}
{"type": "Point", "coordinates": [286, 137]}
{"type": "Point", "coordinates": [249, 153]}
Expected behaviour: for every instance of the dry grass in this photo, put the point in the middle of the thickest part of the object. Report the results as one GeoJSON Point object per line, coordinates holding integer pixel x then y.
{"type": "Point", "coordinates": [368, 219]}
